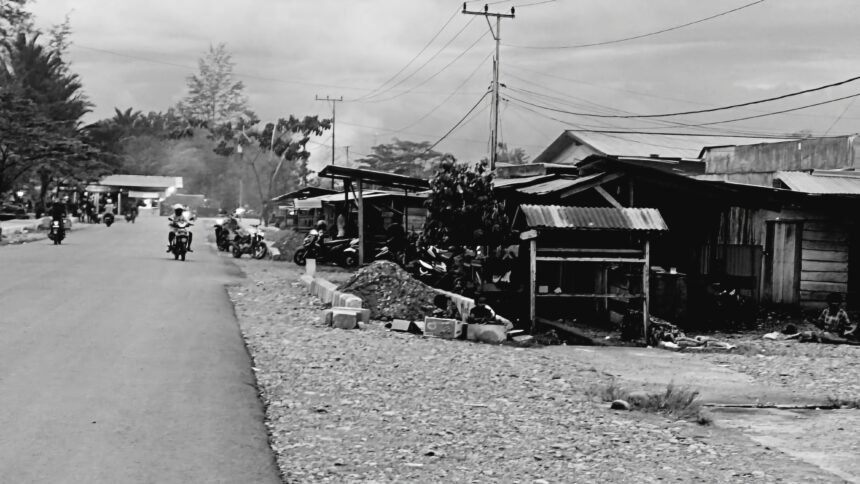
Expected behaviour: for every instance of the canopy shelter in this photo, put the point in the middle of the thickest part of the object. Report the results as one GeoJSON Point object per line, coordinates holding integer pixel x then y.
{"type": "Point", "coordinates": [136, 186]}
{"type": "Point", "coordinates": [360, 177]}
{"type": "Point", "coordinates": [587, 253]}
{"type": "Point", "coordinates": [287, 215]}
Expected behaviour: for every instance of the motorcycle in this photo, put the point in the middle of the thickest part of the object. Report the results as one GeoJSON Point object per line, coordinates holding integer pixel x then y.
{"type": "Point", "coordinates": [338, 251]}
{"type": "Point", "coordinates": [130, 216]}
{"type": "Point", "coordinates": [108, 219]}
{"type": "Point", "coordinates": [222, 235]}
{"type": "Point", "coordinates": [180, 241]}
{"type": "Point", "coordinates": [431, 267]}
{"type": "Point", "coordinates": [250, 243]}
{"type": "Point", "coordinates": [57, 233]}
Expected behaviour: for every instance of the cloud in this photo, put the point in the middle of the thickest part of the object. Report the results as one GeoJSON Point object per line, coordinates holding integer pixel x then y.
{"type": "Point", "coordinates": [289, 51]}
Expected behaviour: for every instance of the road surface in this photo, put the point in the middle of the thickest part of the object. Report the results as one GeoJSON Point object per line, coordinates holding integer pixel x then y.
{"type": "Point", "coordinates": [120, 365]}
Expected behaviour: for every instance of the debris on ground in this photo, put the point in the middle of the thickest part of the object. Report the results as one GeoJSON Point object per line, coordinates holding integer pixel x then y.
{"type": "Point", "coordinates": [390, 292]}
{"type": "Point", "coordinates": [286, 242]}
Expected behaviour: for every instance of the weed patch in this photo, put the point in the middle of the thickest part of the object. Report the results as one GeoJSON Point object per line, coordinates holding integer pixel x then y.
{"type": "Point", "coordinates": [676, 402]}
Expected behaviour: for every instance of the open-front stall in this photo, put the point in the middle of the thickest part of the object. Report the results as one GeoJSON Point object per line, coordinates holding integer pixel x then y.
{"type": "Point", "coordinates": [585, 261]}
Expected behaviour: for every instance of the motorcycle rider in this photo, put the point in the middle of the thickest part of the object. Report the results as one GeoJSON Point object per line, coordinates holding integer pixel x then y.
{"type": "Point", "coordinates": [178, 217]}
{"type": "Point", "coordinates": [58, 214]}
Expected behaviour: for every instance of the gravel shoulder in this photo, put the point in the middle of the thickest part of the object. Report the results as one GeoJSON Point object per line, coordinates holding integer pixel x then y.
{"type": "Point", "coordinates": [377, 406]}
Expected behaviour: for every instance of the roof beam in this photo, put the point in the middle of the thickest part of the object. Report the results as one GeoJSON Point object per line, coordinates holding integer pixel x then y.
{"type": "Point", "coordinates": [609, 198]}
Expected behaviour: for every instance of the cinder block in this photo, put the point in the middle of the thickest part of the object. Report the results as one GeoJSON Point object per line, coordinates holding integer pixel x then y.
{"type": "Point", "coordinates": [362, 314]}
{"type": "Point", "coordinates": [350, 301]}
{"type": "Point", "coordinates": [327, 317]}
{"type": "Point", "coordinates": [307, 280]}
{"type": "Point", "coordinates": [344, 319]}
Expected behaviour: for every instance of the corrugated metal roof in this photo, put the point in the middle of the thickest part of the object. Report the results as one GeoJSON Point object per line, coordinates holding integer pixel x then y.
{"type": "Point", "coordinates": [592, 218]}
{"type": "Point", "coordinates": [142, 181]}
{"type": "Point", "coordinates": [557, 185]}
{"type": "Point", "coordinates": [663, 145]}
{"type": "Point", "coordinates": [829, 183]}
{"type": "Point", "coordinates": [515, 182]}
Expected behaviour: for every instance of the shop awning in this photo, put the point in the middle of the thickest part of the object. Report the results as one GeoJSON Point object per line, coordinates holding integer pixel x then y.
{"type": "Point", "coordinates": [137, 194]}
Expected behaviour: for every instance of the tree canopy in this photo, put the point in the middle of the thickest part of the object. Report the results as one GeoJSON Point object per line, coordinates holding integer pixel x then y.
{"type": "Point", "coordinates": [403, 158]}
{"type": "Point", "coordinates": [214, 97]}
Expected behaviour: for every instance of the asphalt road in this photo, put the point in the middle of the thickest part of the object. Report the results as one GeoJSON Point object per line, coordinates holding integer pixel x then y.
{"type": "Point", "coordinates": [120, 365]}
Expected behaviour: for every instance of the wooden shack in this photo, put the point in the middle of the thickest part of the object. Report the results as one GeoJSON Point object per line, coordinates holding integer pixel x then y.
{"type": "Point", "coordinates": [581, 258]}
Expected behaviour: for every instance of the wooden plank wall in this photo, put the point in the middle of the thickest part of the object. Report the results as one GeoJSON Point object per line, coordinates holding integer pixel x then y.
{"type": "Point", "coordinates": [824, 267]}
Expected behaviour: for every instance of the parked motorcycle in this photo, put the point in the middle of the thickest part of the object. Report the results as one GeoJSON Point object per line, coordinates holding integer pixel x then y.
{"type": "Point", "coordinates": [222, 235]}
{"type": "Point", "coordinates": [250, 243]}
{"type": "Point", "coordinates": [57, 233]}
{"type": "Point", "coordinates": [338, 251]}
{"type": "Point", "coordinates": [180, 241]}
{"type": "Point", "coordinates": [108, 219]}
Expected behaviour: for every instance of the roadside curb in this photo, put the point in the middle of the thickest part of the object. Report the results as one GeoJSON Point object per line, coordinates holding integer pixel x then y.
{"type": "Point", "coordinates": [327, 292]}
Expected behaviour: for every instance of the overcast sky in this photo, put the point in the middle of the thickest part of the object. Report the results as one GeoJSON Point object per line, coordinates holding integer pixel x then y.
{"type": "Point", "coordinates": [138, 54]}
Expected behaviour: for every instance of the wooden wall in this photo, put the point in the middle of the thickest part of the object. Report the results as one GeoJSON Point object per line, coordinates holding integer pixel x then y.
{"type": "Point", "coordinates": [824, 267]}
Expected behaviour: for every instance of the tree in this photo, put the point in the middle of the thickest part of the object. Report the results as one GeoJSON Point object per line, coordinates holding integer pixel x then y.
{"type": "Point", "coordinates": [515, 156]}
{"type": "Point", "coordinates": [402, 157]}
{"type": "Point", "coordinates": [39, 75]}
{"type": "Point", "coordinates": [213, 96]}
{"type": "Point", "coordinates": [462, 209]}
{"type": "Point", "coordinates": [14, 18]}
{"type": "Point", "coordinates": [277, 154]}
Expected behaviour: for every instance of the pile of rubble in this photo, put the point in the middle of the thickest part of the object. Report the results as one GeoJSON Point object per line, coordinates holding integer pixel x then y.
{"type": "Point", "coordinates": [390, 292]}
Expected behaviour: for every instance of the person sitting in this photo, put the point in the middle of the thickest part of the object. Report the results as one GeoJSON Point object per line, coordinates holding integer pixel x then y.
{"type": "Point", "coordinates": [834, 319]}
{"type": "Point", "coordinates": [178, 217]}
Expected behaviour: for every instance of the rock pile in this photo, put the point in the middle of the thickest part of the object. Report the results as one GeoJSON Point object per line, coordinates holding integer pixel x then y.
{"type": "Point", "coordinates": [390, 292]}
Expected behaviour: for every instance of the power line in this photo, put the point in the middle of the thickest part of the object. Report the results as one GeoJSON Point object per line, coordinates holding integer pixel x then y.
{"type": "Point", "coordinates": [425, 81]}
{"type": "Point", "coordinates": [835, 122]}
{"type": "Point", "coordinates": [641, 36]}
{"type": "Point", "coordinates": [426, 46]}
{"type": "Point", "coordinates": [533, 4]}
{"type": "Point", "coordinates": [422, 66]}
{"type": "Point", "coordinates": [457, 125]}
{"type": "Point", "coordinates": [711, 110]}
{"type": "Point", "coordinates": [435, 108]}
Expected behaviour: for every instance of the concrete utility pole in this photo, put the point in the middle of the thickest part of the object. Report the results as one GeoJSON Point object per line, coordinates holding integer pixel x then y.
{"type": "Point", "coordinates": [497, 36]}
{"type": "Point", "coordinates": [347, 156]}
{"type": "Point", "coordinates": [333, 112]}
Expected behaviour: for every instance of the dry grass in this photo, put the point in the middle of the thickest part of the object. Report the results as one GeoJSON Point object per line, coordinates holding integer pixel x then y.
{"type": "Point", "coordinates": [845, 403]}
{"type": "Point", "coordinates": [676, 402]}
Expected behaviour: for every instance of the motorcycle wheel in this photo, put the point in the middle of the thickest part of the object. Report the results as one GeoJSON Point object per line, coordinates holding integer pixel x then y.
{"type": "Point", "coordinates": [350, 260]}
{"type": "Point", "coordinates": [260, 251]}
{"type": "Point", "coordinates": [300, 257]}
{"type": "Point", "coordinates": [182, 257]}
{"type": "Point", "coordinates": [237, 252]}
{"type": "Point", "coordinates": [175, 255]}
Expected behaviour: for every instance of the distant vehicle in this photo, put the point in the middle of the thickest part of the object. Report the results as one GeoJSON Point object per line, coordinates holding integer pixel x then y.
{"type": "Point", "coordinates": [57, 233]}
{"type": "Point", "coordinates": [10, 211]}
{"type": "Point", "coordinates": [108, 218]}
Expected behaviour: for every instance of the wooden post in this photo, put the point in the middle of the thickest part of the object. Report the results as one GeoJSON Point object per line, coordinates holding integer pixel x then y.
{"type": "Point", "coordinates": [405, 209]}
{"type": "Point", "coordinates": [646, 274]}
{"type": "Point", "coordinates": [346, 207]}
{"type": "Point", "coordinates": [360, 222]}
{"type": "Point", "coordinates": [532, 281]}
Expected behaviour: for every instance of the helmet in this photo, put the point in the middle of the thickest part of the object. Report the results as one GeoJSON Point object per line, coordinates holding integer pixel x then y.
{"type": "Point", "coordinates": [178, 206]}
{"type": "Point", "coordinates": [321, 225]}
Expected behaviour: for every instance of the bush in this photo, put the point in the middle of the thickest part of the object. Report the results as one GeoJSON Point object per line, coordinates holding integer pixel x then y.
{"type": "Point", "coordinates": [676, 402]}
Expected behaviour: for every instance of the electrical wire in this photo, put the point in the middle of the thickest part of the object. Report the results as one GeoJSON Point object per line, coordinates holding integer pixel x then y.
{"type": "Point", "coordinates": [458, 123]}
{"type": "Point", "coordinates": [423, 49]}
{"type": "Point", "coordinates": [454, 92]}
{"type": "Point", "coordinates": [533, 4]}
{"type": "Point", "coordinates": [635, 37]}
{"type": "Point", "coordinates": [425, 81]}
{"type": "Point", "coordinates": [840, 116]}
{"type": "Point", "coordinates": [422, 66]}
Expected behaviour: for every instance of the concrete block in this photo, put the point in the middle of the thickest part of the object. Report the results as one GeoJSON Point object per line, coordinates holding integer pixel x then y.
{"type": "Point", "coordinates": [311, 267]}
{"type": "Point", "coordinates": [349, 301]}
{"type": "Point", "coordinates": [486, 333]}
{"type": "Point", "coordinates": [325, 290]}
{"type": "Point", "coordinates": [344, 319]}
{"type": "Point", "coordinates": [363, 315]}
{"type": "Point", "coordinates": [327, 317]}
{"type": "Point", "coordinates": [400, 325]}
{"type": "Point", "coordinates": [443, 328]}
{"type": "Point", "coordinates": [306, 280]}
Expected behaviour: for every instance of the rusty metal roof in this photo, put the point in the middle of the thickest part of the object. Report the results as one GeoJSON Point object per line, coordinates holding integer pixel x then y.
{"type": "Point", "coordinates": [592, 218]}
{"type": "Point", "coordinates": [833, 183]}
{"type": "Point", "coordinates": [552, 186]}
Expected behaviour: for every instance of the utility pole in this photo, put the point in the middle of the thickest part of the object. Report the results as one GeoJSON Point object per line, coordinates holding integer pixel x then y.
{"type": "Point", "coordinates": [333, 112]}
{"type": "Point", "coordinates": [497, 36]}
{"type": "Point", "coordinates": [347, 156]}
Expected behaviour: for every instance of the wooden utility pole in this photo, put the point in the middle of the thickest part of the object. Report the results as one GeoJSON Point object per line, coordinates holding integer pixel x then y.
{"type": "Point", "coordinates": [333, 113]}
{"type": "Point", "coordinates": [497, 36]}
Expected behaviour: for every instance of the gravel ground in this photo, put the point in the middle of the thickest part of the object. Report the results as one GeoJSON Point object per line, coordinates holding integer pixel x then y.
{"type": "Point", "coordinates": [830, 371]}
{"type": "Point", "coordinates": [375, 406]}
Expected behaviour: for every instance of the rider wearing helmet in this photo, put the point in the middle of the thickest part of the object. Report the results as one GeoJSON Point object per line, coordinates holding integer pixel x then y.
{"type": "Point", "coordinates": [178, 216]}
